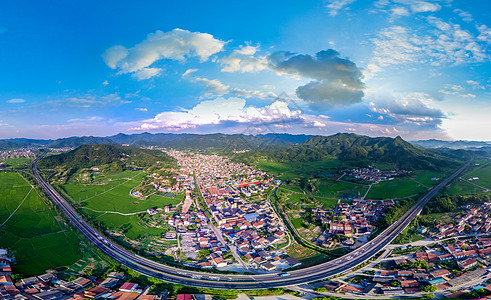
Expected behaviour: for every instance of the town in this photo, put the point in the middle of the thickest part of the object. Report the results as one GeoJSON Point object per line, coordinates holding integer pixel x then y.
{"type": "Point", "coordinates": [225, 221]}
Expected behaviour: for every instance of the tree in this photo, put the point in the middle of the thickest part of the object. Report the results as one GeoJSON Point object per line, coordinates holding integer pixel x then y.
{"type": "Point", "coordinates": [395, 283]}
{"type": "Point", "coordinates": [429, 288]}
{"type": "Point", "coordinates": [428, 296]}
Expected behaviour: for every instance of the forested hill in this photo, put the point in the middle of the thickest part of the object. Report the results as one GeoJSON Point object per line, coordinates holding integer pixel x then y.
{"type": "Point", "coordinates": [358, 149]}
{"type": "Point", "coordinates": [87, 156]}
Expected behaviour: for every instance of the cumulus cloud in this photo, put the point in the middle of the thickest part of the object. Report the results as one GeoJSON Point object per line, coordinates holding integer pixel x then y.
{"type": "Point", "coordinates": [16, 100]}
{"type": "Point", "coordinates": [337, 81]}
{"type": "Point", "coordinates": [244, 60]}
{"type": "Point", "coordinates": [219, 111]}
{"type": "Point", "coordinates": [412, 109]}
{"type": "Point", "coordinates": [141, 108]}
{"type": "Point", "coordinates": [176, 45]}
{"type": "Point", "coordinates": [334, 6]}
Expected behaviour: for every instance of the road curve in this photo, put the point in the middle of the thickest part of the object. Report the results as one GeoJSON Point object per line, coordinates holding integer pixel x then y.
{"type": "Point", "coordinates": [222, 281]}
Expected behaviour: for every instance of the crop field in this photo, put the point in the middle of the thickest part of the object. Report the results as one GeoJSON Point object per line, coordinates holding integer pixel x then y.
{"type": "Point", "coordinates": [397, 188]}
{"type": "Point", "coordinates": [38, 237]}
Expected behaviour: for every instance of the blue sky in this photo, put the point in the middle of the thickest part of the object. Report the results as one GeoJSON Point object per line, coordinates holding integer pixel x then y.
{"type": "Point", "coordinates": [415, 68]}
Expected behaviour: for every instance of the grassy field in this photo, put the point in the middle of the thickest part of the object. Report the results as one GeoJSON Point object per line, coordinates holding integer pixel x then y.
{"type": "Point", "coordinates": [463, 186]}
{"type": "Point", "coordinates": [39, 238]}
{"type": "Point", "coordinates": [396, 188]}
{"type": "Point", "coordinates": [17, 162]}
{"type": "Point", "coordinates": [99, 200]}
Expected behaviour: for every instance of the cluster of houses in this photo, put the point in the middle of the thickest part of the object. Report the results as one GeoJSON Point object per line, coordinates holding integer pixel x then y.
{"type": "Point", "coordinates": [375, 175]}
{"type": "Point", "coordinates": [349, 219]}
{"type": "Point", "coordinates": [450, 265]}
{"type": "Point", "coordinates": [474, 220]}
{"type": "Point", "coordinates": [250, 229]}
{"type": "Point", "coordinates": [49, 287]}
{"type": "Point", "coordinates": [23, 152]}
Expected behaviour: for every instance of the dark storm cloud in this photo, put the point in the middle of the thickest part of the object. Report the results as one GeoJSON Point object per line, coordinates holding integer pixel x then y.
{"type": "Point", "coordinates": [337, 81]}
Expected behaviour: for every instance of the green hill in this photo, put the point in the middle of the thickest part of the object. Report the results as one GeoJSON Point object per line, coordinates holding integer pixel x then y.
{"type": "Point", "coordinates": [87, 156]}
{"type": "Point", "coordinates": [360, 149]}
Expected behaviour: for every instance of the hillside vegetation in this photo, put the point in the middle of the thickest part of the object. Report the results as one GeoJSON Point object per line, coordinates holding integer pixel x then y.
{"type": "Point", "coordinates": [358, 149]}
{"type": "Point", "coordinates": [119, 157]}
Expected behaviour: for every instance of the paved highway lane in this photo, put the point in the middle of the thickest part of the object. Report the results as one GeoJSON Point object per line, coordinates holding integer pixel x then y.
{"type": "Point", "coordinates": [222, 281]}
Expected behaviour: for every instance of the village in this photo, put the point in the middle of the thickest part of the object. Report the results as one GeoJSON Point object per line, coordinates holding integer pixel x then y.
{"type": "Point", "coordinates": [49, 286]}
{"type": "Point", "coordinates": [375, 175]}
{"type": "Point", "coordinates": [18, 153]}
{"type": "Point", "coordinates": [349, 222]}
{"type": "Point", "coordinates": [453, 259]}
{"type": "Point", "coordinates": [224, 221]}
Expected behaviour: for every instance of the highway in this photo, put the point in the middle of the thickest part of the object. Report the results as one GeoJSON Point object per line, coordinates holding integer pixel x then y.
{"type": "Point", "coordinates": [244, 282]}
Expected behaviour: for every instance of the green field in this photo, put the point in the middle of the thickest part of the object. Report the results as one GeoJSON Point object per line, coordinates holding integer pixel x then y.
{"type": "Point", "coordinates": [37, 238]}
{"type": "Point", "coordinates": [100, 200]}
{"type": "Point", "coordinates": [17, 162]}
{"type": "Point", "coordinates": [397, 188]}
{"type": "Point", "coordinates": [464, 186]}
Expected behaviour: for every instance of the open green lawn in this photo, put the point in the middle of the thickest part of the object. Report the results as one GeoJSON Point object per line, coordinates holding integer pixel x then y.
{"type": "Point", "coordinates": [397, 188]}
{"type": "Point", "coordinates": [33, 233]}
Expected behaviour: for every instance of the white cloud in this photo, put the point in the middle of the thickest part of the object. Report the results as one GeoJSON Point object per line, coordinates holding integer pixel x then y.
{"type": "Point", "coordinates": [216, 87]}
{"type": "Point", "coordinates": [146, 73]}
{"type": "Point", "coordinates": [105, 83]}
{"type": "Point", "coordinates": [213, 85]}
{"type": "Point", "coordinates": [89, 100]}
{"type": "Point", "coordinates": [398, 8]}
{"type": "Point", "coordinates": [189, 71]}
{"type": "Point", "coordinates": [414, 108]}
{"type": "Point", "coordinates": [16, 100]}
{"type": "Point", "coordinates": [437, 44]}
{"type": "Point", "coordinates": [141, 109]}
{"type": "Point", "coordinates": [218, 111]}
{"type": "Point", "coordinates": [334, 6]}
{"type": "Point", "coordinates": [484, 34]}
{"type": "Point", "coordinates": [90, 119]}
{"type": "Point", "coordinates": [467, 17]}
{"type": "Point", "coordinates": [177, 45]}
{"type": "Point", "coordinates": [244, 60]}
